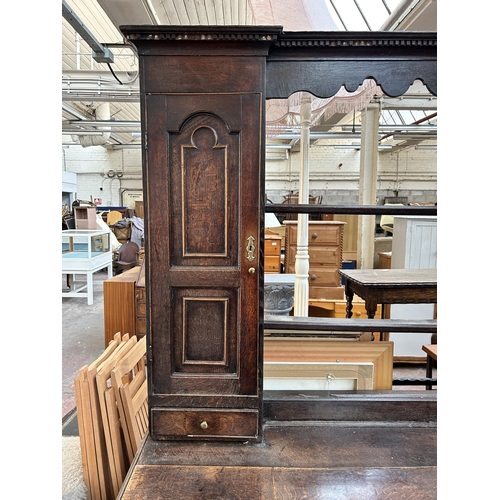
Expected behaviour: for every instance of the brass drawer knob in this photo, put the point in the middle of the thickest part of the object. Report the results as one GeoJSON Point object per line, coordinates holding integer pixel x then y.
{"type": "Point", "coordinates": [251, 270]}
{"type": "Point", "coordinates": [313, 276]}
{"type": "Point", "coordinates": [315, 235]}
{"type": "Point", "coordinates": [204, 425]}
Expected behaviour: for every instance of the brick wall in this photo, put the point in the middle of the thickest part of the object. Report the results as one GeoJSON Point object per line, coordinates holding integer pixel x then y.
{"type": "Point", "coordinates": [334, 174]}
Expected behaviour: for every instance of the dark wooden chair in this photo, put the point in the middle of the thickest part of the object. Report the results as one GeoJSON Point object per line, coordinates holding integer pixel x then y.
{"type": "Point", "coordinates": [127, 257]}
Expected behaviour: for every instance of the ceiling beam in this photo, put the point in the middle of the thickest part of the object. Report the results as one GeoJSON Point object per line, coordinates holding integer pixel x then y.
{"type": "Point", "coordinates": [100, 53]}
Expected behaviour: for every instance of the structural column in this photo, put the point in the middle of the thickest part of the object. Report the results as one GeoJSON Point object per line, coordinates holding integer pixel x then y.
{"type": "Point", "coordinates": [301, 298]}
{"type": "Point", "coordinates": [368, 185]}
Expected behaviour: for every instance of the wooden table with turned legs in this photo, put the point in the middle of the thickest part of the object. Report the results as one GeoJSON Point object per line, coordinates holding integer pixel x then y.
{"type": "Point", "coordinates": [389, 286]}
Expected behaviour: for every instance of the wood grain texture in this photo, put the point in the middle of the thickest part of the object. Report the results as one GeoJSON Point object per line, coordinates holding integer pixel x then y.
{"type": "Point", "coordinates": [233, 483]}
{"type": "Point", "coordinates": [306, 460]}
{"type": "Point", "coordinates": [331, 350]}
{"type": "Point", "coordinates": [119, 304]}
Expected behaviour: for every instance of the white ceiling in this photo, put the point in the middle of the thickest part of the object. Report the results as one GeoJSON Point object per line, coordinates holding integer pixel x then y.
{"type": "Point", "coordinates": [87, 84]}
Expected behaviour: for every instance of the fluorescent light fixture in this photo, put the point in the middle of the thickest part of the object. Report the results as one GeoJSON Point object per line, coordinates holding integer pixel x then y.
{"type": "Point", "coordinates": [429, 146]}
{"type": "Point", "coordinates": [358, 146]}
{"type": "Point", "coordinates": [82, 132]}
{"type": "Point", "coordinates": [414, 137]}
{"type": "Point", "coordinates": [278, 146]}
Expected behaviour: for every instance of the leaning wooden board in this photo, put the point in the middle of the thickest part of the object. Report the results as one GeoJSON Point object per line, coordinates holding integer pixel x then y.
{"type": "Point", "coordinates": [331, 350]}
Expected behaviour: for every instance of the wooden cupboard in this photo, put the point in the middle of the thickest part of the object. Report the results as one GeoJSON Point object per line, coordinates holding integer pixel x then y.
{"type": "Point", "coordinates": [325, 241]}
{"type": "Point", "coordinates": [272, 252]}
{"type": "Point", "coordinates": [203, 209]}
{"type": "Point", "coordinates": [124, 306]}
{"type": "Point", "coordinates": [85, 217]}
{"type": "Point", "coordinates": [414, 246]}
{"type": "Point", "coordinates": [202, 95]}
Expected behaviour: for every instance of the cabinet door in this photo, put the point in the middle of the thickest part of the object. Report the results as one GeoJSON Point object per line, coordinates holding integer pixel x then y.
{"type": "Point", "coordinates": [203, 197]}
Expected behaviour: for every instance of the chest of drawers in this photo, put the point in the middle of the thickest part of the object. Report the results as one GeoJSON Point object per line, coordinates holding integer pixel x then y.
{"type": "Point", "coordinates": [325, 239]}
{"type": "Point", "coordinates": [272, 252]}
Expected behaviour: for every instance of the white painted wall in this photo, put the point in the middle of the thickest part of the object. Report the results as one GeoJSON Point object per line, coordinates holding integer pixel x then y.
{"type": "Point", "coordinates": [410, 172]}
{"type": "Point", "coordinates": [91, 166]}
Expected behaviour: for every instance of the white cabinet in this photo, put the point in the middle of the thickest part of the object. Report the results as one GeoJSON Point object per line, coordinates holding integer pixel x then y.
{"type": "Point", "coordinates": [84, 252]}
{"type": "Point", "coordinates": [414, 243]}
{"type": "Point", "coordinates": [414, 246]}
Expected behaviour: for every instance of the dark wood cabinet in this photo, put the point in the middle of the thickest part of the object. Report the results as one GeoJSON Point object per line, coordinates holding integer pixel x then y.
{"type": "Point", "coordinates": [203, 202]}
{"type": "Point", "coordinates": [203, 91]}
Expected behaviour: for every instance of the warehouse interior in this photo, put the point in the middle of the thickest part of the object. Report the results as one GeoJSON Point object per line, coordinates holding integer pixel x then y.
{"type": "Point", "coordinates": [124, 138]}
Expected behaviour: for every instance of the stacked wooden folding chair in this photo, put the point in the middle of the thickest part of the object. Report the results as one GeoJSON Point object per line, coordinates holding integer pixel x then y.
{"type": "Point", "coordinates": [90, 428]}
{"type": "Point", "coordinates": [129, 382]}
{"type": "Point", "coordinates": [104, 451]}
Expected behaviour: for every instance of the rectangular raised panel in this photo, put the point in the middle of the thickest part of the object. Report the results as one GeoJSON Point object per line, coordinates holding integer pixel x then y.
{"type": "Point", "coordinates": [201, 423]}
{"type": "Point", "coordinates": [205, 335]}
{"type": "Point", "coordinates": [205, 332]}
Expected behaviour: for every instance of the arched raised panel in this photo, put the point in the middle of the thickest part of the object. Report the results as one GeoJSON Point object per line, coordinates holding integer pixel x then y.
{"type": "Point", "coordinates": [206, 179]}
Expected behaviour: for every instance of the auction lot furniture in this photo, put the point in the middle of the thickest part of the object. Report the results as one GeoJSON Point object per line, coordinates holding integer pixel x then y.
{"type": "Point", "coordinates": [389, 286]}
{"type": "Point", "coordinates": [213, 433]}
{"type": "Point", "coordinates": [125, 304]}
{"type": "Point", "coordinates": [325, 240]}
{"type": "Point", "coordinates": [85, 252]}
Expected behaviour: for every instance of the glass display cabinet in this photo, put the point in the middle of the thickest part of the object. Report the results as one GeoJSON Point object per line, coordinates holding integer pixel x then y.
{"type": "Point", "coordinates": [84, 252]}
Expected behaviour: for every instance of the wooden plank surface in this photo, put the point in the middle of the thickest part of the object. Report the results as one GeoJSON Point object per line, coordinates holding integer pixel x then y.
{"type": "Point", "coordinates": [234, 483]}
{"type": "Point", "coordinates": [294, 460]}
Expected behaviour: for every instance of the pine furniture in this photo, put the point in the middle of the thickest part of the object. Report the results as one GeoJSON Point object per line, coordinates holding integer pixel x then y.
{"type": "Point", "coordinates": [325, 243]}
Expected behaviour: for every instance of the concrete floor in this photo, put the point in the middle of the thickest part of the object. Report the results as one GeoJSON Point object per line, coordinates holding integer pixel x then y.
{"type": "Point", "coordinates": [83, 341]}
{"type": "Point", "coordinates": [82, 336]}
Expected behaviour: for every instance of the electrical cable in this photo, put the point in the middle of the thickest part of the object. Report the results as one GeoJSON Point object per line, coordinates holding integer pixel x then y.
{"type": "Point", "coordinates": [113, 73]}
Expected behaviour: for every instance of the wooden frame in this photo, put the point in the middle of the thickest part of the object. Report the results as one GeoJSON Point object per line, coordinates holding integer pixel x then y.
{"type": "Point", "coordinates": [320, 350]}
{"type": "Point", "coordinates": [317, 376]}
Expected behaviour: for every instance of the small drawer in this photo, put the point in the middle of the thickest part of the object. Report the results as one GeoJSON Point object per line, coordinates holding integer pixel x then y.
{"type": "Point", "coordinates": [324, 277]}
{"type": "Point", "coordinates": [324, 256]}
{"type": "Point", "coordinates": [204, 423]}
{"type": "Point", "coordinates": [318, 234]}
{"type": "Point", "coordinates": [272, 247]}
{"type": "Point", "coordinates": [272, 264]}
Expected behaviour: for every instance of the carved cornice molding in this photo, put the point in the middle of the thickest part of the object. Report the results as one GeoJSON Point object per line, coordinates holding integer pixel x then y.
{"type": "Point", "coordinates": [202, 33]}
{"type": "Point", "coordinates": [279, 38]}
{"type": "Point", "coordinates": [319, 62]}
{"type": "Point", "coordinates": [357, 39]}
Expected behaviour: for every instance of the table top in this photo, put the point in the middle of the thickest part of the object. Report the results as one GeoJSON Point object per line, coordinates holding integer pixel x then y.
{"type": "Point", "coordinates": [391, 277]}
{"type": "Point", "coordinates": [431, 350]}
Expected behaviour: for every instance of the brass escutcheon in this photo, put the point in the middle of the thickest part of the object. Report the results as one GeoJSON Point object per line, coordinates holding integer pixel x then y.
{"type": "Point", "coordinates": [250, 248]}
